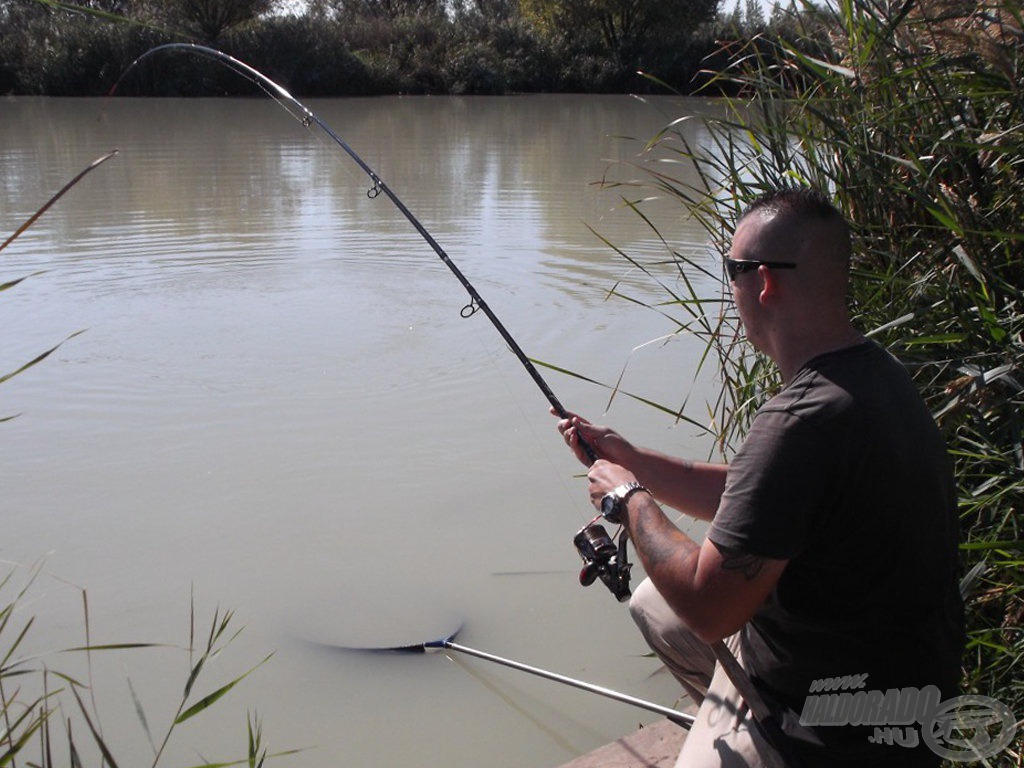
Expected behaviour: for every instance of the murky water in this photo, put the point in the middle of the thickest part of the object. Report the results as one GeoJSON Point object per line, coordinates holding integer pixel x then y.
{"type": "Point", "coordinates": [275, 406]}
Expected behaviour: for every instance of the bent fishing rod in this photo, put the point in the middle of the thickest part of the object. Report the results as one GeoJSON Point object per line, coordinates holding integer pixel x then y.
{"type": "Point", "coordinates": [613, 565]}
{"type": "Point", "coordinates": [602, 558]}
{"type": "Point", "coordinates": [308, 119]}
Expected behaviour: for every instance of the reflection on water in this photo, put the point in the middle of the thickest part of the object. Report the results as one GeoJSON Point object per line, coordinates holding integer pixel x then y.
{"type": "Point", "coordinates": [276, 401]}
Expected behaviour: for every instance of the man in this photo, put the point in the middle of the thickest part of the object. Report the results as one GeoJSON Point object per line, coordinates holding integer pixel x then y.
{"type": "Point", "coordinates": [832, 547]}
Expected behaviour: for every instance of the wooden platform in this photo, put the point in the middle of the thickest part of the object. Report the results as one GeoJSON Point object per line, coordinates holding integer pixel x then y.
{"type": "Point", "coordinates": [654, 746]}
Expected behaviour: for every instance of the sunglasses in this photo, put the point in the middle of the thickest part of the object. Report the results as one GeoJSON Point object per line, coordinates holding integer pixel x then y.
{"type": "Point", "coordinates": [738, 266]}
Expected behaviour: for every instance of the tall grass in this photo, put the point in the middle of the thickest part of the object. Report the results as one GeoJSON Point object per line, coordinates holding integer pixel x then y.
{"type": "Point", "coordinates": [910, 114]}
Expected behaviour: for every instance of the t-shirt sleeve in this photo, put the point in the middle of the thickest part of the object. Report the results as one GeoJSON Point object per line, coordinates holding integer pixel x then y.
{"type": "Point", "coordinates": [774, 488]}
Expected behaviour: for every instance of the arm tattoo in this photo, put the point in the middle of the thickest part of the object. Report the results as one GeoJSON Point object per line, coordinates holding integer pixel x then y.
{"type": "Point", "coordinates": [734, 560]}
{"type": "Point", "coordinates": [659, 547]}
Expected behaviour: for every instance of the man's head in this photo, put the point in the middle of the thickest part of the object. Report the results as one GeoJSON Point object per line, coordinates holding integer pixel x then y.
{"type": "Point", "coordinates": [807, 220]}
{"type": "Point", "coordinates": [789, 276]}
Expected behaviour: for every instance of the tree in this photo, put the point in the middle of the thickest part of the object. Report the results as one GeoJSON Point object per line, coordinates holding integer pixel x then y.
{"type": "Point", "coordinates": [384, 9]}
{"type": "Point", "coordinates": [494, 10]}
{"type": "Point", "coordinates": [753, 16]}
{"type": "Point", "coordinates": [622, 27]}
{"type": "Point", "coordinates": [209, 19]}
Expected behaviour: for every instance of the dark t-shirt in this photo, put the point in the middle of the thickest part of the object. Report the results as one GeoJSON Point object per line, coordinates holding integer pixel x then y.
{"type": "Point", "coordinates": [845, 475]}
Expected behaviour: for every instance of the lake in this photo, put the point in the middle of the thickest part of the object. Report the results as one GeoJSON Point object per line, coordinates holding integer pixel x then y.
{"type": "Point", "coordinates": [276, 408]}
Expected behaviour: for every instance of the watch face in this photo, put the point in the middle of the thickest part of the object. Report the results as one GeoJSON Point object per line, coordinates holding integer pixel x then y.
{"type": "Point", "coordinates": [608, 504]}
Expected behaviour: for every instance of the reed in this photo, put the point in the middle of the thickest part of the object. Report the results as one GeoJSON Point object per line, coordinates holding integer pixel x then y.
{"type": "Point", "coordinates": [7, 285]}
{"type": "Point", "coordinates": [51, 717]}
{"type": "Point", "coordinates": [909, 114]}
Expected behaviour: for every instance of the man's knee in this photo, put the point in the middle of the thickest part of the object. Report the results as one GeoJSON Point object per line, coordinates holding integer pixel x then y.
{"type": "Point", "coordinates": [667, 634]}
{"type": "Point", "coordinates": [653, 615]}
{"type": "Point", "coordinates": [640, 603]}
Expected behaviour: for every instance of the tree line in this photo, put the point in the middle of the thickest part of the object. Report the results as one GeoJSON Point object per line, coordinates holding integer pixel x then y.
{"type": "Point", "coordinates": [371, 47]}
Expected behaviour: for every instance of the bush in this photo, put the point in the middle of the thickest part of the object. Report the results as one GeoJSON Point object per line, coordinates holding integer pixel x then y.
{"type": "Point", "coordinates": [304, 55]}
{"type": "Point", "coordinates": [474, 68]}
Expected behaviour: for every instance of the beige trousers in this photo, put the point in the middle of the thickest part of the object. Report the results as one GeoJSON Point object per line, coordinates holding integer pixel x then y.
{"type": "Point", "coordinates": [724, 734]}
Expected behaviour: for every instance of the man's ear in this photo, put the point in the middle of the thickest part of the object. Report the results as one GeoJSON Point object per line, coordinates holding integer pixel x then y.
{"type": "Point", "coordinates": [769, 285]}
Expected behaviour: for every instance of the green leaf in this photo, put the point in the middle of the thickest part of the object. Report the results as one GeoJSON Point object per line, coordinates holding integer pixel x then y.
{"type": "Point", "coordinates": [945, 219]}
{"type": "Point", "coordinates": [112, 647]}
{"type": "Point", "coordinates": [936, 338]}
{"type": "Point", "coordinates": [12, 283]}
{"type": "Point", "coordinates": [1000, 544]}
{"type": "Point", "coordinates": [38, 359]}
{"type": "Point", "coordinates": [207, 701]}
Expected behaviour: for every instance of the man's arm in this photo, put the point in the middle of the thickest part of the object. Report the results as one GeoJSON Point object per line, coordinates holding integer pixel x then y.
{"type": "Point", "coordinates": [715, 591]}
{"type": "Point", "coordinates": [692, 487]}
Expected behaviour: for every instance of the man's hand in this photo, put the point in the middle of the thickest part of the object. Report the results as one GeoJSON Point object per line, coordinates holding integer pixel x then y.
{"type": "Point", "coordinates": [606, 443]}
{"type": "Point", "coordinates": [604, 477]}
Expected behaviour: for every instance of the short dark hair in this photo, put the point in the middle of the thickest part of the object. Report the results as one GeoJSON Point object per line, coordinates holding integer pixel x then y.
{"type": "Point", "coordinates": [808, 203]}
{"type": "Point", "coordinates": [804, 201]}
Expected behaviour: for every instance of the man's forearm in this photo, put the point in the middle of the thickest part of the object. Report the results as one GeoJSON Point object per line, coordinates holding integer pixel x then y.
{"type": "Point", "coordinates": [664, 550]}
{"type": "Point", "coordinates": [714, 590]}
{"type": "Point", "coordinates": [669, 557]}
{"type": "Point", "coordinates": [691, 487]}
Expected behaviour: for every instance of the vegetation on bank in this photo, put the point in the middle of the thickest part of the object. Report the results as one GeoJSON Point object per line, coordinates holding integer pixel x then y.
{"type": "Point", "coordinates": [909, 114]}
{"type": "Point", "coordinates": [50, 709]}
{"type": "Point", "coordinates": [370, 47]}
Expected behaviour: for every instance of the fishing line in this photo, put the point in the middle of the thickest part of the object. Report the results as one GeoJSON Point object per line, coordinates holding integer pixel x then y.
{"type": "Point", "coordinates": [309, 119]}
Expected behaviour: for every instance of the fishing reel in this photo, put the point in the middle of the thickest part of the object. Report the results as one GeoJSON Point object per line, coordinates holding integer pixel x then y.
{"type": "Point", "coordinates": [603, 559]}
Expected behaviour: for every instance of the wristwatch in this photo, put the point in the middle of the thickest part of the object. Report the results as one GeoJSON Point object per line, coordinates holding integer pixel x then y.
{"type": "Point", "coordinates": [613, 503]}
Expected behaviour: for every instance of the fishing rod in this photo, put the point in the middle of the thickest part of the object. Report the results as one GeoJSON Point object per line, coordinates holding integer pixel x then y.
{"type": "Point", "coordinates": [601, 557]}
{"type": "Point", "coordinates": [308, 119]}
